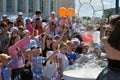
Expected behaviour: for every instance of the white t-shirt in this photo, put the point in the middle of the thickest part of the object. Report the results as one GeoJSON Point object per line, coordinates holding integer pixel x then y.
{"type": "Point", "coordinates": [65, 62]}
{"type": "Point", "coordinates": [51, 69]}
{"type": "Point", "coordinates": [96, 37]}
{"type": "Point", "coordinates": [35, 17]}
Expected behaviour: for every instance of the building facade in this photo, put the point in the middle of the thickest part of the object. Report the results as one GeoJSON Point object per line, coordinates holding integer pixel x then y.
{"type": "Point", "coordinates": [28, 7]}
{"type": "Point", "coordinates": [111, 11]}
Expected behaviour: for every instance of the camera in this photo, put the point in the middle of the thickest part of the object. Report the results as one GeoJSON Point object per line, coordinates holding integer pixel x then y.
{"type": "Point", "coordinates": [53, 23]}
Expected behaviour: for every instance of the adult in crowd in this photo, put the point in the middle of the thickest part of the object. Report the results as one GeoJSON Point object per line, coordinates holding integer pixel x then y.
{"type": "Point", "coordinates": [39, 26]}
{"type": "Point", "coordinates": [53, 24]}
{"type": "Point", "coordinates": [4, 19]}
{"type": "Point", "coordinates": [112, 48]}
{"type": "Point", "coordinates": [49, 44]}
{"type": "Point", "coordinates": [4, 38]}
{"type": "Point", "coordinates": [19, 20]}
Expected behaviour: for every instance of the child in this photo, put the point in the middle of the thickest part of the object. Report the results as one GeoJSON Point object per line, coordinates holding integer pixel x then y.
{"type": "Point", "coordinates": [62, 59]}
{"type": "Point", "coordinates": [6, 65]}
{"type": "Point", "coordinates": [51, 65]}
{"type": "Point", "coordinates": [28, 54]}
{"type": "Point", "coordinates": [71, 55]}
{"type": "Point", "coordinates": [29, 26]}
{"type": "Point", "coordinates": [36, 63]}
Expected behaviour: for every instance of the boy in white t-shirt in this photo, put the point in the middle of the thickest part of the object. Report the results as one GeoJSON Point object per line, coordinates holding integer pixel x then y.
{"type": "Point", "coordinates": [62, 58]}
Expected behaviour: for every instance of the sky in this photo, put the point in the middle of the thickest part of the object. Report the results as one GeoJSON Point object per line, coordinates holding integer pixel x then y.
{"type": "Point", "coordinates": [83, 8]}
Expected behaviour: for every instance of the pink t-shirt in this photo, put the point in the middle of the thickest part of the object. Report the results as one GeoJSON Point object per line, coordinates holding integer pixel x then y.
{"type": "Point", "coordinates": [52, 24]}
{"type": "Point", "coordinates": [20, 44]}
{"type": "Point", "coordinates": [63, 22]}
{"type": "Point", "coordinates": [30, 28]}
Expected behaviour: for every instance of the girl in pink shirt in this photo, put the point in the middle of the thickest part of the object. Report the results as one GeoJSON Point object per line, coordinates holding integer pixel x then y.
{"type": "Point", "coordinates": [53, 24]}
{"type": "Point", "coordinates": [29, 26]}
{"type": "Point", "coordinates": [63, 22]}
{"type": "Point", "coordinates": [18, 45]}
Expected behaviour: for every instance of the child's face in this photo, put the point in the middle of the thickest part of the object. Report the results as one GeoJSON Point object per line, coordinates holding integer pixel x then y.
{"type": "Point", "coordinates": [29, 21]}
{"type": "Point", "coordinates": [27, 35]}
{"type": "Point", "coordinates": [70, 46]}
{"type": "Point", "coordinates": [28, 54]}
{"type": "Point", "coordinates": [63, 49]}
{"type": "Point", "coordinates": [17, 39]}
{"type": "Point", "coordinates": [38, 15]}
{"type": "Point", "coordinates": [35, 52]}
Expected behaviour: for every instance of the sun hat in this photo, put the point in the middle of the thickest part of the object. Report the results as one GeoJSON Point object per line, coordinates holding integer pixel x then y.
{"type": "Point", "coordinates": [20, 13]}
{"type": "Point", "coordinates": [4, 56]}
{"type": "Point", "coordinates": [4, 15]}
{"type": "Point", "coordinates": [53, 12]}
{"type": "Point", "coordinates": [13, 29]}
{"type": "Point", "coordinates": [75, 40]}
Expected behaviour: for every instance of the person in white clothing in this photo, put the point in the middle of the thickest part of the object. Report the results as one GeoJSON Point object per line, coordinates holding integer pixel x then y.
{"type": "Point", "coordinates": [51, 65]}
{"type": "Point", "coordinates": [37, 15]}
{"type": "Point", "coordinates": [62, 58]}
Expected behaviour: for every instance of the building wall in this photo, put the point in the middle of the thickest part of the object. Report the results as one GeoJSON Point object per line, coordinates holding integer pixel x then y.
{"type": "Point", "coordinates": [108, 12]}
{"type": "Point", "coordinates": [28, 7]}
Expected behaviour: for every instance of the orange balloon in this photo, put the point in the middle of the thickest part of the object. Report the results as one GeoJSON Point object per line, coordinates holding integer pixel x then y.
{"type": "Point", "coordinates": [62, 11]}
{"type": "Point", "coordinates": [70, 12]}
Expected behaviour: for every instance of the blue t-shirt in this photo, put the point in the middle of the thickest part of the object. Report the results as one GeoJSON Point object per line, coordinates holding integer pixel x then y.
{"type": "Point", "coordinates": [37, 65]}
{"type": "Point", "coordinates": [5, 70]}
{"type": "Point", "coordinates": [72, 56]}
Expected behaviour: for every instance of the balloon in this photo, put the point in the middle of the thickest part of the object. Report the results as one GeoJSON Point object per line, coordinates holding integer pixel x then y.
{"type": "Point", "coordinates": [70, 12]}
{"type": "Point", "coordinates": [87, 37]}
{"type": "Point", "coordinates": [62, 11]}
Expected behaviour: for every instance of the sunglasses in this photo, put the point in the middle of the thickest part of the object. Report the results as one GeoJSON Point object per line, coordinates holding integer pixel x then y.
{"type": "Point", "coordinates": [49, 39]}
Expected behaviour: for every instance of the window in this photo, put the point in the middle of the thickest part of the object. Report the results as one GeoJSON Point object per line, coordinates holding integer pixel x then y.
{"type": "Point", "coordinates": [30, 5]}
{"type": "Point", "coordinates": [1, 6]}
{"type": "Point", "coordinates": [51, 5]}
{"type": "Point", "coordinates": [41, 5]}
{"type": "Point", "coordinates": [9, 5]}
{"type": "Point", "coordinates": [20, 6]}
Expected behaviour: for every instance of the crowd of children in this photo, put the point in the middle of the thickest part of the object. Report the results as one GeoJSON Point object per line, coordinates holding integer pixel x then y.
{"type": "Point", "coordinates": [39, 50]}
